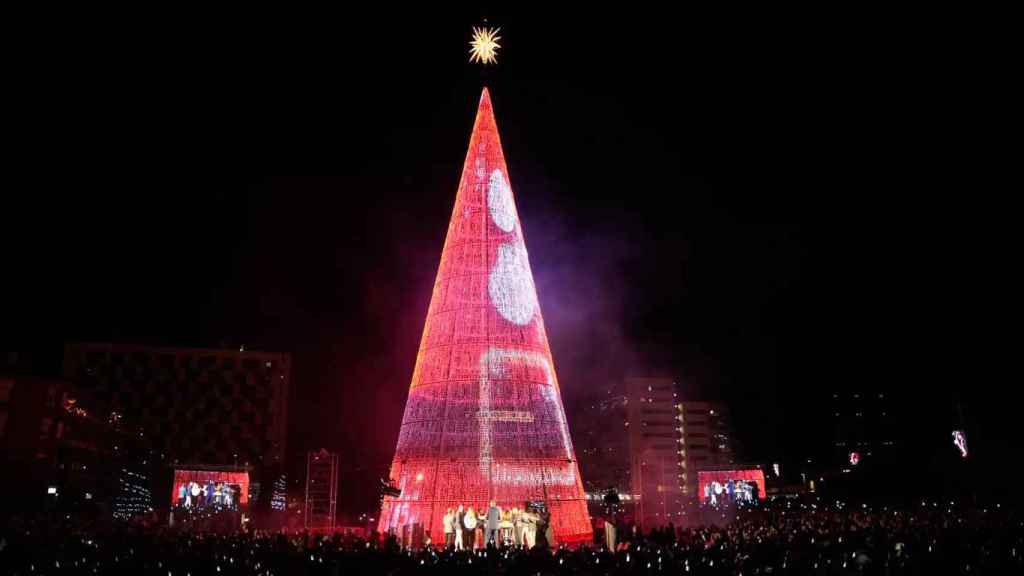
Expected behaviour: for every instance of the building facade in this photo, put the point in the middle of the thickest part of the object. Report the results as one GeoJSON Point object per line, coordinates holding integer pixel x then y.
{"type": "Point", "coordinates": [639, 438]}
{"type": "Point", "coordinates": [707, 440]}
{"type": "Point", "coordinates": [60, 450]}
{"type": "Point", "coordinates": [197, 405]}
{"type": "Point", "coordinates": [657, 465]}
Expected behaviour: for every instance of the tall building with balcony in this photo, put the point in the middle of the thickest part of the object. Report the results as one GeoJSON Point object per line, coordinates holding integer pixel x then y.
{"type": "Point", "coordinates": [640, 438]}
{"type": "Point", "coordinates": [707, 440]}
{"type": "Point", "coordinates": [657, 466]}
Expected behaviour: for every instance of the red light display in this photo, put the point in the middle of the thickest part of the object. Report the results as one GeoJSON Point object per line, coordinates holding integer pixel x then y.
{"type": "Point", "coordinates": [484, 419]}
{"type": "Point", "coordinates": [721, 482]}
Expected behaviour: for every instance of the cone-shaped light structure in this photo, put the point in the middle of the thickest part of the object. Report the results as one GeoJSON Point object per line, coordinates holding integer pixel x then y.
{"type": "Point", "coordinates": [484, 418]}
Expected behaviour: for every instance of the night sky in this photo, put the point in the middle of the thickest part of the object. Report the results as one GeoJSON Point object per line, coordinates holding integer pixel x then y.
{"type": "Point", "coordinates": [766, 217]}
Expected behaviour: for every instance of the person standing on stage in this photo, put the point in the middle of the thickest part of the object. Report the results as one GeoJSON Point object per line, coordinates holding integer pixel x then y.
{"type": "Point", "coordinates": [517, 527]}
{"type": "Point", "coordinates": [493, 523]}
{"type": "Point", "coordinates": [449, 527]}
{"type": "Point", "coordinates": [459, 520]}
{"type": "Point", "coordinates": [481, 525]}
{"type": "Point", "coordinates": [196, 491]}
{"type": "Point", "coordinates": [471, 521]}
{"type": "Point", "coordinates": [545, 524]}
{"type": "Point", "coordinates": [506, 527]}
{"type": "Point", "coordinates": [529, 520]}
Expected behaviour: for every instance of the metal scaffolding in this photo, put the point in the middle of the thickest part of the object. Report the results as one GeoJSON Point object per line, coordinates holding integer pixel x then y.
{"type": "Point", "coordinates": [321, 489]}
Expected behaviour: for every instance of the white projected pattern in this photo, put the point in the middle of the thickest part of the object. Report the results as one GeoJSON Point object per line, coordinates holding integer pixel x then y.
{"type": "Point", "coordinates": [499, 201]}
{"type": "Point", "coordinates": [493, 364]}
{"type": "Point", "coordinates": [510, 285]}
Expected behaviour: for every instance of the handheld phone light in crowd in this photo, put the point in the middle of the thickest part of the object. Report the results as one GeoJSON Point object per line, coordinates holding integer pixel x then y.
{"type": "Point", "coordinates": [960, 441]}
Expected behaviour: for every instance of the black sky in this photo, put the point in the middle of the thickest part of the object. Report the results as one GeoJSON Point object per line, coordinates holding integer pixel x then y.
{"type": "Point", "coordinates": [764, 213]}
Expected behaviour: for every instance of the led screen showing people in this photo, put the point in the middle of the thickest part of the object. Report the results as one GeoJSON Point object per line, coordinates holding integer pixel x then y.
{"type": "Point", "coordinates": [212, 490]}
{"type": "Point", "coordinates": [726, 487]}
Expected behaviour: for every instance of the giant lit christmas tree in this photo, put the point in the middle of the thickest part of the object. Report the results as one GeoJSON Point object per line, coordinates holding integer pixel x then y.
{"type": "Point", "coordinates": [484, 418]}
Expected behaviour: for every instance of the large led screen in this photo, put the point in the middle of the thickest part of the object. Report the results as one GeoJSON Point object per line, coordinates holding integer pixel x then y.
{"type": "Point", "coordinates": [723, 487]}
{"type": "Point", "coordinates": [195, 489]}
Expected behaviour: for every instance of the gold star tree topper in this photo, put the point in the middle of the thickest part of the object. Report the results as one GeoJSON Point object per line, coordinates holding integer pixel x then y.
{"type": "Point", "coordinates": [484, 46]}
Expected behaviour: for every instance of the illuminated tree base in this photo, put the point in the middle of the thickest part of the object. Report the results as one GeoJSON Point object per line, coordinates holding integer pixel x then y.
{"type": "Point", "coordinates": [430, 488]}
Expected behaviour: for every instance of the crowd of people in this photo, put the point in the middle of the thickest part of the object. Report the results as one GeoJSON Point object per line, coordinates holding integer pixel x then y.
{"type": "Point", "coordinates": [779, 538]}
{"type": "Point", "coordinates": [467, 529]}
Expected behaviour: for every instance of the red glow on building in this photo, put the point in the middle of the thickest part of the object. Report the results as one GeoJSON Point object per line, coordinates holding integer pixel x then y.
{"type": "Point", "coordinates": [484, 419]}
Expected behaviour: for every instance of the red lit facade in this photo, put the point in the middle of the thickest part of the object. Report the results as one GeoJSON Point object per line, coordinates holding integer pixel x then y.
{"type": "Point", "coordinates": [484, 419]}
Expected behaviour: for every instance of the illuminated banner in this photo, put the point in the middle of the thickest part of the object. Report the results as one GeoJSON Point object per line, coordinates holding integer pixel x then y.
{"type": "Point", "coordinates": [484, 419]}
